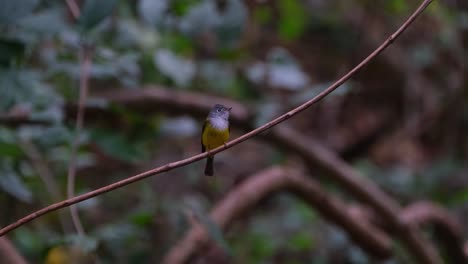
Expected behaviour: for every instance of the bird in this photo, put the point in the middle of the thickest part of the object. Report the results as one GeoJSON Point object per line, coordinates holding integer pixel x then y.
{"type": "Point", "coordinates": [215, 132]}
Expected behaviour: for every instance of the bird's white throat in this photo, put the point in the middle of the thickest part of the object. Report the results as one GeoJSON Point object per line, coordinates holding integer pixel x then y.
{"type": "Point", "coordinates": [219, 123]}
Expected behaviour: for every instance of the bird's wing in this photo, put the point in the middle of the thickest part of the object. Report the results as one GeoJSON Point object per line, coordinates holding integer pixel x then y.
{"type": "Point", "coordinates": [201, 138]}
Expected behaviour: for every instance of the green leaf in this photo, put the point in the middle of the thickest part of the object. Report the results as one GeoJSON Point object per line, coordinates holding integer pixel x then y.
{"type": "Point", "coordinates": [85, 243]}
{"type": "Point", "coordinates": [10, 150]}
{"type": "Point", "coordinates": [11, 183]}
{"type": "Point", "coordinates": [117, 145]}
{"type": "Point", "coordinates": [94, 11]}
{"type": "Point", "coordinates": [25, 87]}
{"type": "Point", "coordinates": [301, 241]}
{"type": "Point", "coordinates": [260, 246]}
{"type": "Point", "coordinates": [119, 237]}
{"type": "Point", "coordinates": [49, 21]}
{"type": "Point", "coordinates": [262, 14]}
{"type": "Point", "coordinates": [459, 198]}
{"type": "Point", "coordinates": [7, 137]}
{"type": "Point", "coordinates": [152, 11]}
{"type": "Point", "coordinates": [179, 44]}
{"type": "Point", "coordinates": [11, 10]}
{"type": "Point", "coordinates": [10, 50]}
{"type": "Point", "coordinates": [293, 19]}
{"type": "Point", "coordinates": [396, 6]}
{"type": "Point", "coordinates": [29, 242]}
{"type": "Point", "coordinates": [213, 230]}
{"type": "Point", "coordinates": [142, 219]}
{"type": "Point", "coordinates": [181, 7]}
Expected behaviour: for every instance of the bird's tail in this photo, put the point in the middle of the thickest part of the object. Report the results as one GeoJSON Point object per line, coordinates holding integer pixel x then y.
{"type": "Point", "coordinates": [209, 166]}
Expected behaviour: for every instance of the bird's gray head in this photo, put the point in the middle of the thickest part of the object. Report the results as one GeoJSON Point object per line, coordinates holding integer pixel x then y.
{"type": "Point", "coordinates": [220, 111]}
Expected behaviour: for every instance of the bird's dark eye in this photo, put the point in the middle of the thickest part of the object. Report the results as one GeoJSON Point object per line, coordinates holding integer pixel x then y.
{"type": "Point", "coordinates": [218, 110]}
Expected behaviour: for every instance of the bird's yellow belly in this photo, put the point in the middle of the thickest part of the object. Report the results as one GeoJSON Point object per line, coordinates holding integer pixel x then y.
{"type": "Point", "coordinates": [213, 138]}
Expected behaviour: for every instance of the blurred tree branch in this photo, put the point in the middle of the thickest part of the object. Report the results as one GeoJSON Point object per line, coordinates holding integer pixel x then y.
{"type": "Point", "coordinates": [85, 55]}
{"type": "Point", "coordinates": [447, 230]}
{"type": "Point", "coordinates": [354, 183]}
{"type": "Point", "coordinates": [85, 67]}
{"type": "Point", "coordinates": [244, 197]}
{"type": "Point", "coordinates": [15, 120]}
{"type": "Point", "coordinates": [250, 192]}
{"type": "Point", "coordinates": [74, 8]}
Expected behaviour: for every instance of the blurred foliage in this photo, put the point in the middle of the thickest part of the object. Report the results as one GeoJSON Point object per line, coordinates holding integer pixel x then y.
{"type": "Point", "coordinates": [293, 19]}
{"type": "Point", "coordinates": [93, 12]}
{"type": "Point", "coordinates": [271, 55]}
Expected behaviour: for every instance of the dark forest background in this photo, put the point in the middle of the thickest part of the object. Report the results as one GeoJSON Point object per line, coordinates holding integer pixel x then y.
{"type": "Point", "coordinates": [156, 68]}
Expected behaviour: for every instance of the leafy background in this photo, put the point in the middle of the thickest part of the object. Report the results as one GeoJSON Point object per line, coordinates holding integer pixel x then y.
{"type": "Point", "coordinates": [402, 121]}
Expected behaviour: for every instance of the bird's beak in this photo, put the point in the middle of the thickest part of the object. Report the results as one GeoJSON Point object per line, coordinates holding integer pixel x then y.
{"type": "Point", "coordinates": [229, 109]}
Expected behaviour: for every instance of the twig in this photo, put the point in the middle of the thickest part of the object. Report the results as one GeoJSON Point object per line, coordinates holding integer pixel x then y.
{"type": "Point", "coordinates": [230, 144]}
{"type": "Point", "coordinates": [40, 166]}
{"type": "Point", "coordinates": [85, 65]}
{"type": "Point", "coordinates": [18, 120]}
{"type": "Point", "coordinates": [46, 175]}
{"type": "Point", "coordinates": [74, 8]}
{"type": "Point", "coordinates": [447, 230]}
{"type": "Point", "coordinates": [245, 196]}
